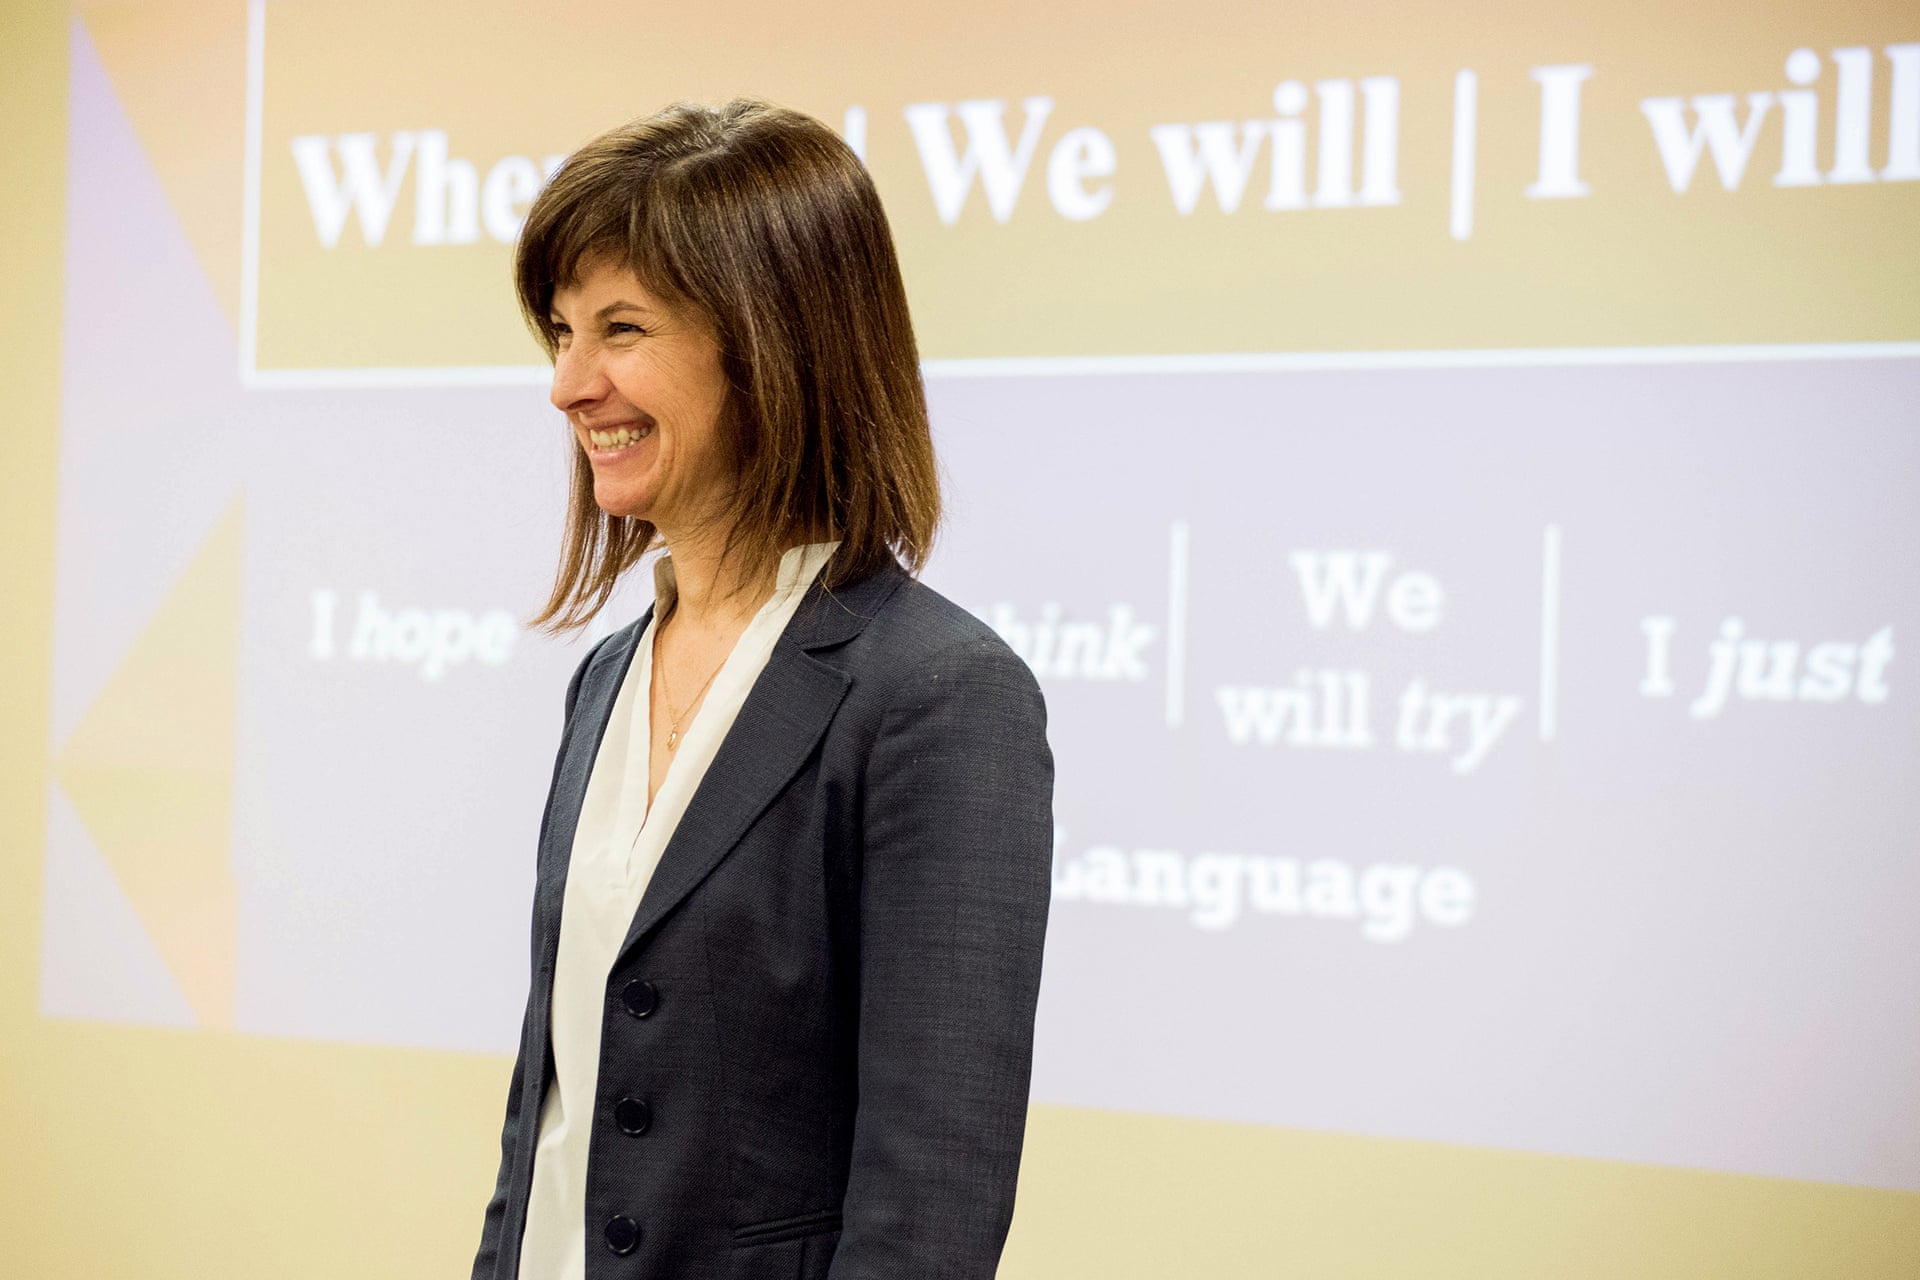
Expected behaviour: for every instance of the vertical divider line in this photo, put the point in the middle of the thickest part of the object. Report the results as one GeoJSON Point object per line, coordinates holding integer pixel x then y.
{"type": "Point", "coordinates": [1466, 99]}
{"type": "Point", "coordinates": [854, 131]}
{"type": "Point", "coordinates": [250, 206]}
{"type": "Point", "coordinates": [1549, 632]}
{"type": "Point", "coordinates": [1176, 624]}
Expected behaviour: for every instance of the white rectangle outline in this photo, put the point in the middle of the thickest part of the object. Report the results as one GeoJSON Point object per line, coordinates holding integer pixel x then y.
{"type": "Point", "coordinates": [255, 378]}
{"type": "Point", "coordinates": [250, 192]}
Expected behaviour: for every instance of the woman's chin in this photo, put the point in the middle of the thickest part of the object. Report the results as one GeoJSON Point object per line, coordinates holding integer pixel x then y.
{"type": "Point", "coordinates": [623, 496]}
{"type": "Point", "coordinates": [620, 500]}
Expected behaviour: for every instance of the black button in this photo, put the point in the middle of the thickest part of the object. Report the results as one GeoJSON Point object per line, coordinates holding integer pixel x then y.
{"type": "Point", "coordinates": [640, 998]}
{"type": "Point", "coordinates": [623, 1235]}
{"type": "Point", "coordinates": [633, 1116]}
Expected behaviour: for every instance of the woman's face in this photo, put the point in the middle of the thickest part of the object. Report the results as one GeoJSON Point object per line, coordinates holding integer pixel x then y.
{"type": "Point", "coordinates": [642, 387]}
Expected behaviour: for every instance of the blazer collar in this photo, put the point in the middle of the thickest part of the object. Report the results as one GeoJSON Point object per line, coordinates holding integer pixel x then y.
{"type": "Point", "coordinates": [827, 618]}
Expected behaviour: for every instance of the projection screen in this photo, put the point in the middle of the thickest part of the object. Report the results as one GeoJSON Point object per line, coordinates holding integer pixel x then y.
{"type": "Point", "coordinates": [1450, 466]}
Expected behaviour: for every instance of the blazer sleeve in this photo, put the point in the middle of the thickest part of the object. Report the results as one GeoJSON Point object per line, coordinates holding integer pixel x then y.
{"type": "Point", "coordinates": [957, 868]}
{"type": "Point", "coordinates": [532, 1039]}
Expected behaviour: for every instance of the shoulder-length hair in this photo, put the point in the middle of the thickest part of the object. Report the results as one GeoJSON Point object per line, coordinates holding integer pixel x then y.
{"type": "Point", "coordinates": [765, 223]}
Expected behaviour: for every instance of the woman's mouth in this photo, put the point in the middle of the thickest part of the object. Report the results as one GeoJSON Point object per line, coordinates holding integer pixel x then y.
{"type": "Point", "coordinates": [614, 439]}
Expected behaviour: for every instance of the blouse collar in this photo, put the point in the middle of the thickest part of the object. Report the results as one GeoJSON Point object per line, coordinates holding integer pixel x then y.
{"type": "Point", "coordinates": [798, 568]}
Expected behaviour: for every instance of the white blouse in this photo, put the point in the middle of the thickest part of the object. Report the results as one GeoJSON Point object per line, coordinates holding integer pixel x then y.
{"type": "Point", "coordinates": [615, 847]}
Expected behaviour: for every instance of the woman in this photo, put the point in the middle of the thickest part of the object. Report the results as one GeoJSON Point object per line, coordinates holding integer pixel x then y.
{"type": "Point", "coordinates": [793, 871]}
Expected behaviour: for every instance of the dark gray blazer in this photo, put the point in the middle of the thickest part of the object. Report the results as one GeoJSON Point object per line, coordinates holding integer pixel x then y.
{"type": "Point", "coordinates": [818, 1034]}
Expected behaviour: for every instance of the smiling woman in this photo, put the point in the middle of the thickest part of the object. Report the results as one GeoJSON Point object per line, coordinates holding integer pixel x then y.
{"type": "Point", "coordinates": [793, 874]}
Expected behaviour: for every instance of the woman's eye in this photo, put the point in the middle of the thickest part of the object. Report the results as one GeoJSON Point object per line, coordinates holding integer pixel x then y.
{"type": "Point", "coordinates": [621, 326]}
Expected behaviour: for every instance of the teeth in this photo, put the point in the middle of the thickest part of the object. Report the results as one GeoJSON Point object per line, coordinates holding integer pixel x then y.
{"type": "Point", "coordinates": [618, 437]}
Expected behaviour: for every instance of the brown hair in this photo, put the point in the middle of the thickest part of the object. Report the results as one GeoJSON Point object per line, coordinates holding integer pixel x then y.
{"type": "Point", "coordinates": [764, 222]}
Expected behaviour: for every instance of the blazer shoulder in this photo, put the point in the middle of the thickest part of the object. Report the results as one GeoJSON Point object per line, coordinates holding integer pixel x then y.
{"type": "Point", "coordinates": [919, 628]}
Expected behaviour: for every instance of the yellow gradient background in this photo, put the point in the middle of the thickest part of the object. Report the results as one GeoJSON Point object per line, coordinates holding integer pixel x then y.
{"type": "Point", "coordinates": [1632, 265]}
{"type": "Point", "coordinates": [136, 1153]}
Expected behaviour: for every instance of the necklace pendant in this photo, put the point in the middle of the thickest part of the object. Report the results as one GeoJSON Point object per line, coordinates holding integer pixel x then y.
{"type": "Point", "coordinates": [673, 739]}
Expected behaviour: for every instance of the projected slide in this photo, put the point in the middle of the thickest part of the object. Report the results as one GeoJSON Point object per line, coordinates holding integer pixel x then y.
{"type": "Point", "coordinates": [1454, 483]}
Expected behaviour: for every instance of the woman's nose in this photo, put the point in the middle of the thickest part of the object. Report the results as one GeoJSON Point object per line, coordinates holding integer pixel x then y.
{"type": "Point", "coordinates": [577, 380]}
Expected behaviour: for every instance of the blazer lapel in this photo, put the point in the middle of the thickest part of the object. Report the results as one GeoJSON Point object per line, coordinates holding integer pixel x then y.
{"type": "Point", "coordinates": [784, 715]}
{"type": "Point", "coordinates": [592, 708]}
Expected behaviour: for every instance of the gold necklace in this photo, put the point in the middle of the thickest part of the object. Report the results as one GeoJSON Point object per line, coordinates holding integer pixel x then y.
{"type": "Point", "coordinates": [666, 694]}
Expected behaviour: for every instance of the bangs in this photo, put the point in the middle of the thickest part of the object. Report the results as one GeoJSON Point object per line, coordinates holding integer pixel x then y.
{"type": "Point", "coordinates": [600, 215]}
